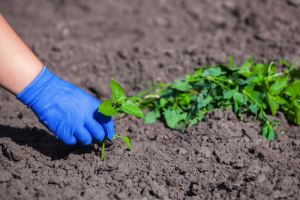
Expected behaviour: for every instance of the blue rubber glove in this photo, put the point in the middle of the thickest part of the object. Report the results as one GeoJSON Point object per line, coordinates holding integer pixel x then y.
{"type": "Point", "coordinates": [67, 111]}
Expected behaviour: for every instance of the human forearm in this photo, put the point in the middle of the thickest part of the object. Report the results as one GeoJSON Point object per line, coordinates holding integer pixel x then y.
{"type": "Point", "coordinates": [67, 111]}
{"type": "Point", "coordinates": [18, 65]}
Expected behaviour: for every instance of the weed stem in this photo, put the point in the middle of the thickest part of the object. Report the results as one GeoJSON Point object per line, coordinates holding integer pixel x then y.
{"type": "Point", "coordinates": [212, 79]}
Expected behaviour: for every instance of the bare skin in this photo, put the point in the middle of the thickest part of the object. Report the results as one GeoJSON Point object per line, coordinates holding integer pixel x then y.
{"type": "Point", "coordinates": [18, 65]}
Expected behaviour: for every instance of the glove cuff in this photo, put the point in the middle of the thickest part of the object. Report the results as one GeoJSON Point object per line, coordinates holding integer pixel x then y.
{"type": "Point", "coordinates": [28, 95]}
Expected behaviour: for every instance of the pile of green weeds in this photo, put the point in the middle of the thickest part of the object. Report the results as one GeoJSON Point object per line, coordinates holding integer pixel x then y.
{"type": "Point", "coordinates": [251, 88]}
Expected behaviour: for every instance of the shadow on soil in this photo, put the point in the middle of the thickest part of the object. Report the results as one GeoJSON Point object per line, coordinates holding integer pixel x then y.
{"type": "Point", "coordinates": [43, 142]}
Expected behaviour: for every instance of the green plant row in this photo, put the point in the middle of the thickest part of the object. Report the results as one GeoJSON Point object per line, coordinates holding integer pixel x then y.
{"type": "Point", "coordinates": [251, 88]}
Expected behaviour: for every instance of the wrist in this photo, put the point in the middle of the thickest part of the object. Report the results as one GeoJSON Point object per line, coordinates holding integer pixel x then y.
{"type": "Point", "coordinates": [40, 82]}
{"type": "Point", "coordinates": [19, 78]}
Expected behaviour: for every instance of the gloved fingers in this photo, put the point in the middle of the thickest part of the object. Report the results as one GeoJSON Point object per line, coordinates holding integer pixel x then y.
{"type": "Point", "coordinates": [83, 136]}
{"type": "Point", "coordinates": [96, 130]}
{"type": "Point", "coordinates": [107, 124]}
{"type": "Point", "coordinates": [68, 139]}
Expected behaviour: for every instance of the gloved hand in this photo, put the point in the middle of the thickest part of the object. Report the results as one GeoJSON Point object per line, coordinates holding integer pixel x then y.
{"type": "Point", "coordinates": [67, 111]}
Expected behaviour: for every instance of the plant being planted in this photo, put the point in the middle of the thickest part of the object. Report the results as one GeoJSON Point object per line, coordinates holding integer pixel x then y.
{"type": "Point", "coordinates": [120, 104]}
{"type": "Point", "coordinates": [251, 88]}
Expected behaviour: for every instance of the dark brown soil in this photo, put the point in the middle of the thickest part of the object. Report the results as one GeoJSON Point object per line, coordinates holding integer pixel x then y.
{"type": "Point", "coordinates": [88, 42]}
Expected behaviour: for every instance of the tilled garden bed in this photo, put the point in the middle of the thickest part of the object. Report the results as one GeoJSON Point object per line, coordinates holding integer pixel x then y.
{"type": "Point", "coordinates": [88, 42]}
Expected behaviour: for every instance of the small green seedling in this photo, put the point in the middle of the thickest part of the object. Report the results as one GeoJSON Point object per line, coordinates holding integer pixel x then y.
{"type": "Point", "coordinates": [120, 104]}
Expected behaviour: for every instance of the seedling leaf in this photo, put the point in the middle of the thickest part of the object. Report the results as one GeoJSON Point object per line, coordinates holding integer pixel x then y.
{"type": "Point", "coordinates": [107, 109]}
{"type": "Point", "coordinates": [118, 95]}
{"type": "Point", "coordinates": [126, 140]}
{"type": "Point", "coordinates": [131, 108]}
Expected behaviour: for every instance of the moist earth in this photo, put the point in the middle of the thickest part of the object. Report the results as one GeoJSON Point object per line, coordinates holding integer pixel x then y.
{"type": "Point", "coordinates": [88, 42]}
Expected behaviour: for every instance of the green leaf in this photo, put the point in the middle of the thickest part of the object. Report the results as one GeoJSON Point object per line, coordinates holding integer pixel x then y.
{"type": "Point", "coordinates": [162, 102]}
{"type": "Point", "coordinates": [265, 70]}
{"type": "Point", "coordinates": [151, 117]}
{"type": "Point", "coordinates": [192, 112]}
{"type": "Point", "coordinates": [118, 95]}
{"type": "Point", "coordinates": [232, 65]}
{"type": "Point", "coordinates": [246, 83]}
{"type": "Point", "coordinates": [204, 102]}
{"type": "Point", "coordinates": [265, 132]}
{"type": "Point", "coordinates": [295, 85]}
{"type": "Point", "coordinates": [257, 96]}
{"type": "Point", "coordinates": [263, 114]}
{"type": "Point", "coordinates": [245, 68]}
{"type": "Point", "coordinates": [184, 100]}
{"type": "Point", "coordinates": [181, 86]}
{"type": "Point", "coordinates": [295, 74]}
{"type": "Point", "coordinates": [265, 84]}
{"type": "Point", "coordinates": [293, 116]}
{"type": "Point", "coordinates": [294, 66]}
{"type": "Point", "coordinates": [271, 134]}
{"type": "Point", "coordinates": [215, 71]}
{"type": "Point", "coordinates": [198, 72]}
{"type": "Point", "coordinates": [284, 63]}
{"type": "Point", "coordinates": [171, 100]}
{"type": "Point", "coordinates": [271, 69]}
{"type": "Point", "coordinates": [258, 80]}
{"type": "Point", "coordinates": [210, 107]}
{"type": "Point", "coordinates": [229, 94]}
{"type": "Point", "coordinates": [249, 88]}
{"type": "Point", "coordinates": [131, 108]}
{"type": "Point", "coordinates": [279, 85]}
{"type": "Point", "coordinates": [258, 69]}
{"type": "Point", "coordinates": [292, 90]}
{"type": "Point", "coordinates": [200, 118]}
{"type": "Point", "coordinates": [188, 76]}
{"type": "Point", "coordinates": [279, 100]}
{"type": "Point", "coordinates": [241, 97]}
{"type": "Point", "coordinates": [126, 140]}
{"type": "Point", "coordinates": [193, 122]}
{"type": "Point", "coordinates": [271, 103]}
{"type": "Point", "coordinates": [296, 104]}
{"type": "Point", "coordinates": [289, 91]}
{"type": "Point", "coordinates": [236, 105]}
{"type": "Point", "coordinates": [107, 109]}
{"type": "Point", "coordinates": [171, 118]}
{"type": "Point", "coordinates": [183, 116]}
{"type": "Point", "coordinates": [254, 108]}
